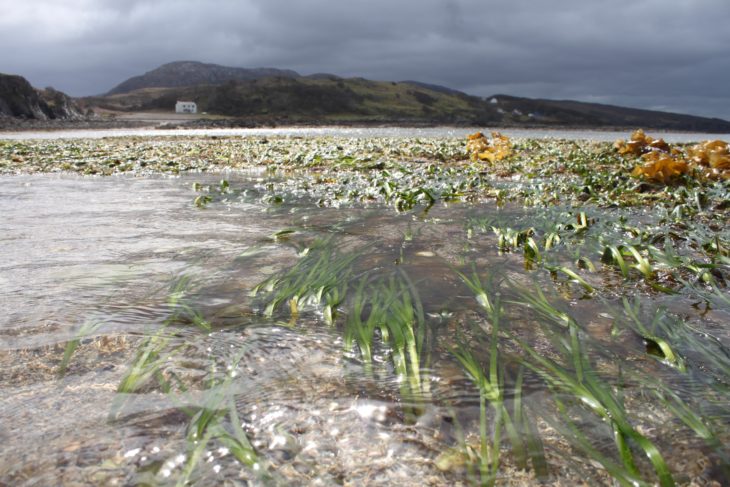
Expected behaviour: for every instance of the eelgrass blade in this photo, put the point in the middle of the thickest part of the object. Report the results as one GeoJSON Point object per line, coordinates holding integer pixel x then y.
{"type": "Point", "coordinates": [511, 424]}
{"type": "Point", "coordinates": [197, 447]}
{"type": "Point", "coordinates": [576, 437]}
{"type": "Point", "coordinates": [475, 284]}
{"type": "Point", "coordinates": [642, 263]}
{"type": "Point", "coordinates": [539, 303]}
{"type": "Point", "coordinates": [491, 387]}
{"type": "Point", "coordinates": [147, 362]}
{"type": "Point", "coordinates": [572, 275]}
{"type": "Point", "coordinates": [612, 255]}
{"type": "Point", "coordinates": [697, 423]}
{"type": "Point", "coordinates": [239, 443]}
{"type": "Point", "coordinates": [535, 449]}
{"type": "Point", "coordinates": [669, 355]}
{"type": "Point", "coordinates": [84, 330]}
{"type": "Point", "coordinates": [488, 393]}
{"type": "Point", "coordinates": [532, 251]}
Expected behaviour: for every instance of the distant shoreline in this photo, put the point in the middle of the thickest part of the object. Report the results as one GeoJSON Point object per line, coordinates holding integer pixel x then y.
{"type": "Point", "coordinates": [161, 121]}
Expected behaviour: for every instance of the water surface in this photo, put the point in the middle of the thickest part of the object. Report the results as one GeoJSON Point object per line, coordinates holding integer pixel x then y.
{"type": "Point", "coordinates": [127, 265]}
{"type": "Point", "coordinates": [355, 132]}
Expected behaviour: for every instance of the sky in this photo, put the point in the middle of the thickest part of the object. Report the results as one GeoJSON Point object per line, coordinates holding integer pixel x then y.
{"type": "Point", "coordinates": [671, 55]}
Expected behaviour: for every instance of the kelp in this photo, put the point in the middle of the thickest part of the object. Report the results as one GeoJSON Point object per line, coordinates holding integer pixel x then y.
{"type": "Point", "coordinates": [711, 153]}
{"type": "Point", "coordinates": [661, 167]}
{"type": "Point", "coordinates": [665, 164]}
{"type": "Point", "coordinates": [713, 157]}
{"type": "Point", "coordinates": [481, 148]}
{"type": "Point", "coordinates": [640, 144]}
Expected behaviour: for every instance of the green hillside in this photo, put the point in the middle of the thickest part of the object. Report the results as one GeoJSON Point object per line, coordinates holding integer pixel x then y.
{"type": "Point", "coordinates": [313, 98]}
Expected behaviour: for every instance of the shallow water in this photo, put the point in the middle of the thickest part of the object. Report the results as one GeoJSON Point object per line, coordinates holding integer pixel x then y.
{"type": "Point", "coordinates": [354, 132]}
{"type": "Point", "coordinates": [128, 264]}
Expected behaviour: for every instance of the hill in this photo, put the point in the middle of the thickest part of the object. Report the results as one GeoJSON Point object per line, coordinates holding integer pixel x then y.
{"type": "Point", "coordinates": [190, 73]}
{"type": "Point", "coordinates": [19, 99]}
{"type": "Point", "coordinates": [429, 86]}
{"type": "Point", "coordinates": [575, 113]}
{"type": "Point", "coordinates": [314, 99]}
{"type": "Point", "coordinates": [269, 95]}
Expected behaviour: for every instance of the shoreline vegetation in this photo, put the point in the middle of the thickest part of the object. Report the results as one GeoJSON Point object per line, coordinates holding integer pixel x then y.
{"type": "Point", "coordinates": [523, 159]}
{"type": "Point", "coordinates": [167, 121]}
{"type": "Point", "coordinates": [583, 300]}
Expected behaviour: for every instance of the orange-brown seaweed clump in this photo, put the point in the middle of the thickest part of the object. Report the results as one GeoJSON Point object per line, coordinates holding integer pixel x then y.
{"type": "Point", "coordinates": [714, 158]}
{"type": "Point", "coordinates": [661, 167]}
{"type": "Point", "coordinates": [663, 163]}
{"type": "Point", "coordinates": [639, 144]}
{"type": "Point", "coordinates": [481, 148]}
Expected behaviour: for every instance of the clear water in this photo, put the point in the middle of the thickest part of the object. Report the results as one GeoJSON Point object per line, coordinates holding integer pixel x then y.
{"type": "Point", "coordinates": [111, 253]}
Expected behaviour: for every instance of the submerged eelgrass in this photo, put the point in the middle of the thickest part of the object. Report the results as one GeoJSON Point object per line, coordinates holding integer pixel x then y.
{"type": "Point", "coordinates": [155, 350]}
{"type": "Point", "coordinates": [406, 333]}
{"type": "Point", "coordinates": [325, 277]}
{"type": "Point", "coordinates": [710, 367]}
{"type": "Point", "coordinates": [656, 345]}
{"type": "Point", "coordinates": [366, 315]}
{"type": "Point", "coordinates": [492, 388]}
{"type": "Point", "coordinates": [576, 380]}
{"type": "Point", "coordinates": [577, 387]}
{"type": "Point", "coordinates": [216, 419]}
{"type": "Point", "coordinates": [84, 331]}
{"type": "Point", "coordinates": [392, 307]}
{"type": "Point", "coordinates": [320, 275]}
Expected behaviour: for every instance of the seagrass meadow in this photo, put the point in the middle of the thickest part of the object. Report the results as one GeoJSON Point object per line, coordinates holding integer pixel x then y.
{"type": "Point", "coordinates": [202, 310]}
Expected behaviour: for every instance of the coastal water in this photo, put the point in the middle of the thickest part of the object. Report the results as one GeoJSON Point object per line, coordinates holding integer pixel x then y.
{"type": "Point", "coordinates": [270, 337]}
{"type": "Point", "coordinates": [123, 263]}
{"type": "Point", "coordinates": [398, 132]}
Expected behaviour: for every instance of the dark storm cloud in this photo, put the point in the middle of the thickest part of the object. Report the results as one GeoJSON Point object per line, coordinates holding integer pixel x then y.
{"type": "Point", "coordinates": [669, 54]}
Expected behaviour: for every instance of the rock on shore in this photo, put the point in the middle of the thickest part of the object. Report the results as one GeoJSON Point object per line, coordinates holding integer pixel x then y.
{"type": "Point", "coordinates": [19, 99]}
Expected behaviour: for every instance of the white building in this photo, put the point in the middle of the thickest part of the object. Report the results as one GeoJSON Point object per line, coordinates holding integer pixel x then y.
{"type": "Point", "coordinates": [186, 107]}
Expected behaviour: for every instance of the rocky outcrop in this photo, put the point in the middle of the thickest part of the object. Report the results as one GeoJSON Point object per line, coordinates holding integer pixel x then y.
{"type": "Point", "coordinates": [19, 99]}
{"type": "Point", "coordinates": [60, 105]}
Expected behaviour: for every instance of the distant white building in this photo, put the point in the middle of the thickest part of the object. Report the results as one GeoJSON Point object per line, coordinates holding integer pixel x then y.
{"type": "Point", "coordinates": [493, 101]}
{"type": "Point", "coordinates": [186, 107]}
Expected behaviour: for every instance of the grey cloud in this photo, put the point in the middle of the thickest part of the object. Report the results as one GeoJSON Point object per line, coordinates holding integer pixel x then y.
{"type": "Point", "coordinates": [647, 53]}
